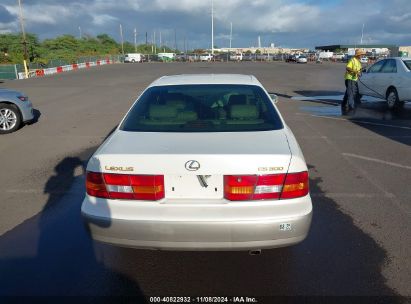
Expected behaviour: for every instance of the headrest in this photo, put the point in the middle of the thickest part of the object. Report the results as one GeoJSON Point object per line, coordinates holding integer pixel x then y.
{"type": "Point", "coordinates": [175, 100]}
{"type": "Point", "coordinates": [237, 99]}
{"type": "Point", "coordinates": [187, 115]}
{"type": "Point", "coordinates": [162, 111]}
{"type": "Point", "coordinates": [244, 112]}
{"type": "Point", "coordinates": [177, 103]}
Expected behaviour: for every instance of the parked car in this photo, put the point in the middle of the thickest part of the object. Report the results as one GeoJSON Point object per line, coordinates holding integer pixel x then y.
{"type": "Point", "coordinates": [200, 162]}
{"type": "Point", "coordinates": [389, 79]}
{"type": "Point", "coordinates": [290, 58]}
{"type": "Point", "coordinates": [15, 110]}
{"type": "Point", "coordinates": [133, 57]}
{"type": "Point", "coordinates": [181, 57]}
{"type": "Point", "coordinates": [206, 57]}
{"type": "Point", "coordinates": [364, 59]}
{"type": "Point", "coordinates": [302, 59]}
{"type": "Point", "coordinates": [249, 57]}
{"type": "Point", "coordinates": [222, 57]}
{"type": "Point", "coordinates": [166, 57]}
{"type": "Point", "coordinates": [236, 57]}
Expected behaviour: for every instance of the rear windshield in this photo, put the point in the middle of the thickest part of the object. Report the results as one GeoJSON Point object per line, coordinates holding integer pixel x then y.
{"type": "Point", "coordinates": [203, 108]}
{"type": "Point", "coordinates": [408, 64]}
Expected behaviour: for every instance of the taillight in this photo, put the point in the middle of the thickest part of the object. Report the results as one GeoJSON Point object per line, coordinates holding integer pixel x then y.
{"type": "Point", "coordinates": [124, 186]}
{"type": "Point", "coordinates": [295, 185]}
{"type": "Point", "coordinates": [253, 187]}
{"type": "Point", "coordinates": [260, 187]}
{"type": "Point", "coordinates": [95, 185]}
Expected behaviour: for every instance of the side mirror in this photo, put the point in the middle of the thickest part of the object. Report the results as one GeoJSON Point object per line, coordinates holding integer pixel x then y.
{"type": "Point", "coordinates": [274, 97]}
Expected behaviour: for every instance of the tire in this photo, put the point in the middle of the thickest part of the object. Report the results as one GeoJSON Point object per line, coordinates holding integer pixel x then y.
{"type": "Point", "coordinates": [10, 118]}
{"type": "Point", "coordinates": [393, 102]}
{"type": "Point", "coordinates": [133, 61]}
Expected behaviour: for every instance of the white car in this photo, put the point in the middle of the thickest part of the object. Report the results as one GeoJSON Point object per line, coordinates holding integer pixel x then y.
{"type": "Point", "coordinates": [133, 57]}
{"type": "Point", "coordinates": [302, 59]}
{"type": "Point", "coordinates": [389, 79]}
{"type": "Point", "coordinates": [206, 57]}
{"type": "Point", "coordinates": [364, 59]}
{"type": "Point", "coordinates": [200, 162]}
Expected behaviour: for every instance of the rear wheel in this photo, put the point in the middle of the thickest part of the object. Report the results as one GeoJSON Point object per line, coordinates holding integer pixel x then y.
{"type": "Point", "coordinates": [393, 102]}
{"type": "Point", "coordinates": [10, 118]}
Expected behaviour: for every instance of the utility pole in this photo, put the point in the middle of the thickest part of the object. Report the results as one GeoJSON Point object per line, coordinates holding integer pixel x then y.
{"type": "Point", "coordinates": [24, 42]}
{"type": "Point", "coordinates": [212, 27]}
{"type": "Point", "coordinates": [135, 40]}
{"type": "Point", "coordinates": [146, 39]}
{"type": "Point", "coordinates": [79, 29]}
{"type": "Point", "coordinates": [362, 32]}
{"type": "Point", "coordinates": [231, 33]}
{"type": "Point", "coordinates": [152, 44]}
{"type": "Point", "coordinates": [175, 40]}
{"type": "Point", "coordinates": [122, 39]}
{"type": "Point", "coordinates": [155, 43]}
{"type": "Point", "coordinates": [160, 40]}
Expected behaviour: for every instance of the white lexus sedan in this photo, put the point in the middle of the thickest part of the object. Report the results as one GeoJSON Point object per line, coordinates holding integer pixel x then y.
{"type": "Point", "coordinates": [388, 79]}
{"type": "Point", "coordinates": [200, 162]}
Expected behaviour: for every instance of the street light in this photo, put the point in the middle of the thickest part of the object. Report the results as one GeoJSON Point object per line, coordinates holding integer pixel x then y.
{"type": "Point", "coordinates": [24, 42]}
{"type": "Point", "coordinates": [122, 39]}
{"type": "Point", "coordinates": [212, 27]}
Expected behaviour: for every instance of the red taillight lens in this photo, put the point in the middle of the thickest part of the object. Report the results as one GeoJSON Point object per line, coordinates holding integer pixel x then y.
{"type": "Point", "coordinates": [239, 187]}
{"type": "Point", "coordinates": [260, 187]}
{"type": "Point", "coordinates": [124, 186]}
{"type": "Point", "coordinates": [252, 187]}
{"type": "Point", "coordinates": [296, 185]}
{"type": "Point", "coordinates": [148, 187]}
{"type": "Point", "coordinates": [95, 185]}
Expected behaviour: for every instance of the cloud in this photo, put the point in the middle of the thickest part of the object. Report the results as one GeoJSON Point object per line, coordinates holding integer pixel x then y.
{"type": "Point", "coordinates": [42, 14]}
{"type": "Point", "coordinates": [296, 23]}
{"type": "Point", "coordinates": [102, 19]}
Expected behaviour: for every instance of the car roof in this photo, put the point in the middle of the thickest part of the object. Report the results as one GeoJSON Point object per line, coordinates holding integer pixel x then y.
{"type": "Point", "coordinates": [187, 79]}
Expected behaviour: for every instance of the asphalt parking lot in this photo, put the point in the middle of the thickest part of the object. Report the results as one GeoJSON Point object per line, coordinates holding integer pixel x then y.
{"type": "Point", "coordinates": [360, 168]}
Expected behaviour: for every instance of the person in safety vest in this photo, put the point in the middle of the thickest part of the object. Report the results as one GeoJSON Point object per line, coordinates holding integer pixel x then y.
{"type": "Point", "coordinates": [352, 73]}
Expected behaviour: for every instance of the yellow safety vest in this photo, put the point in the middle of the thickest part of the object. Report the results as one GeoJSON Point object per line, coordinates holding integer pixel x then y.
{"type": "Point", "coordinates": [355, 65]}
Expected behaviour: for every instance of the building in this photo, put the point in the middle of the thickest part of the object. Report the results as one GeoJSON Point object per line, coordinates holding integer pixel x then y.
{"type": "Point", "coordinates": [405, 51]}
{"type": "Point", "coordinates": [262, 50]}
{"type": "Point", "coordinates": [373, 49]}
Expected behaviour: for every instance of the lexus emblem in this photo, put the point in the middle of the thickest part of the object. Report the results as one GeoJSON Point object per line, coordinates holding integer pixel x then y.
{"type": "Point", "coordinates": [192, 165]}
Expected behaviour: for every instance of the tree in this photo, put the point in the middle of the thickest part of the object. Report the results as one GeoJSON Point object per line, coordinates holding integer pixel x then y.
{"type": "Point", "coordinates": [65, 48]}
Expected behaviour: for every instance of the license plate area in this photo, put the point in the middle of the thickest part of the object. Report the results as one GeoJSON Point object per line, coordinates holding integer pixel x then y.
{"type": "Point", "coordinates": [194, 186]}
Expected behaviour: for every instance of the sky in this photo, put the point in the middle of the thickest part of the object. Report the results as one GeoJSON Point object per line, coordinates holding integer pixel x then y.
{"type": "Point", "coordinates": [286, 23]}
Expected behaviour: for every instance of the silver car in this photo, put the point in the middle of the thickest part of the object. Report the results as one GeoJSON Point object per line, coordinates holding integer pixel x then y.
{"type": "Point", "coordinates": [389, 79]}
{"type": "Point", "coordinates": [200, 162]}
{"type": "Point", "coordinates": [15, 110]}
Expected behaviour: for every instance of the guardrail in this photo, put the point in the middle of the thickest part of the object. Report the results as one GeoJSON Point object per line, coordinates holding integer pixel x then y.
{"type": "Point", "coordinates": [65, 68]}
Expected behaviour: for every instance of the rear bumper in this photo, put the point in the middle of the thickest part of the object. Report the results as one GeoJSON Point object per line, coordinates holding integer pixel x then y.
{"type": "Point", "coordinates": [200, 235]}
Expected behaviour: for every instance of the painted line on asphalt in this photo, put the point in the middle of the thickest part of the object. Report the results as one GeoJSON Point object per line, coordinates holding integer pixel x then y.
{"type": "Point", "coordinates": [358, 121]}
{"type": "Point", "coordinates": [377, 161]}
